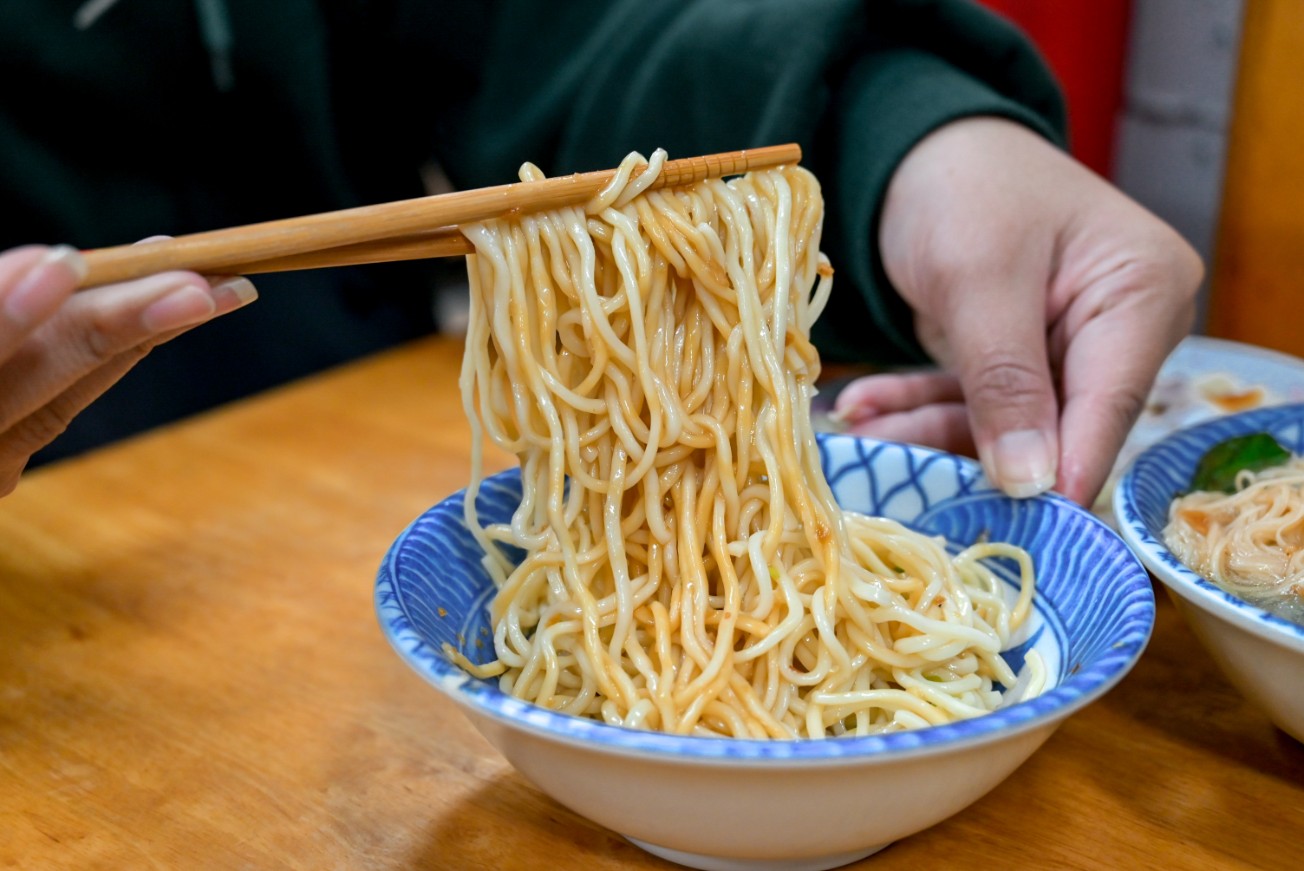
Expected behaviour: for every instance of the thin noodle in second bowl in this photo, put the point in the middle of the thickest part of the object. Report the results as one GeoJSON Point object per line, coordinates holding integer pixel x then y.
{"type": "Point", "coordinates": [1249, 542]}
{"type": "Point", "coordinates": [647, 358]}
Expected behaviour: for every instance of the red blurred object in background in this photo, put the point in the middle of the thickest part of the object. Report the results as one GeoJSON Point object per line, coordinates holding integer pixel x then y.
{"type": "Point", "coordinates": [1085, 43]}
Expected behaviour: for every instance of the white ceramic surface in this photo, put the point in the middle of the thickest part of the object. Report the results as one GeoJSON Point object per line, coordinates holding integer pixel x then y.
{"type": "Point", "coordinates": [748, 805]}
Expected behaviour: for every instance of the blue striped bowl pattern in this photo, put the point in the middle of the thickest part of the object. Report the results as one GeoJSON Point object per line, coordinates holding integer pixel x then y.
{"type": "Point", "coordinates": [1094, 607]}
{"type": "Point", "coordinates": [1163, 470]}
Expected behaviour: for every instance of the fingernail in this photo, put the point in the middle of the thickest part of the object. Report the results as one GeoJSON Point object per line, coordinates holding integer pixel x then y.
{"type": "Point", "coordinates": [69, 258]}
{"type": "Point", "coordinates": [233, 293]}
{"type": "Point", "coordinates": [45, 286]}
{"type": "Point", "coordinates": [838, 416]}
{"type": "Point", "coordinates": [847, 410]}
{"type": "Point", "coordinates": [848, 414]}
{"type": "Point", "coordinates": [182, 307]}
{"type": "Point", "coordinates": [1021, 463]}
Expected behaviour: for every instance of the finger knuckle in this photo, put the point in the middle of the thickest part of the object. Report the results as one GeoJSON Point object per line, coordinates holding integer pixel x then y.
{"type": "Point", "coordinates": [38, 429]}
{"type": "Point", "coordinates": [1168, 264]}
{"type": "Point", "coordinates": [133, 355]}
{"type": "Point", "coordinates": [1163, 280]}
{"type": "Point", "coordinates": [966, 265]}
{"type": "Point", "coordinates": [1006, 380]}
{"type": "Point", "coordinates": [1121, 407]}
{"type": "Point", "coordinates": [98, 337]}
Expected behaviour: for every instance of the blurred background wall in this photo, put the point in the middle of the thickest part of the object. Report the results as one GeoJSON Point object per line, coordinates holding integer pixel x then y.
{"type": "Point", "coordinates": [1150, 87]}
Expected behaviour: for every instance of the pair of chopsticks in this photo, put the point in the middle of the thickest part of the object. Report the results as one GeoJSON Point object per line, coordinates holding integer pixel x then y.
{"type": "Point", "coordinates": [403, 230]}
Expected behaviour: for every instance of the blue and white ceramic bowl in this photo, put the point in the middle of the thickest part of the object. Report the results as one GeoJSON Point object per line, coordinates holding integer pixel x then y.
{"type": "Point", "coordinates": [1262, 654]}
{"type": "Point", "coordinates": [746, 804]}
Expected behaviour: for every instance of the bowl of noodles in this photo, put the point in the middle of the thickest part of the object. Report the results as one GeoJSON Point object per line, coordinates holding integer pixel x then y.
{"type": "Point", "coordinates": [1215, 511]}
{"type": "Point", "coordinates": [709, 800]}
{"type": "Point", "coordinates": [685, 615]}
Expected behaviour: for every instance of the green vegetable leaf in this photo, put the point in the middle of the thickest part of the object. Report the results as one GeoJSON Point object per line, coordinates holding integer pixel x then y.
{"type": "Point", "coordinates": [1219, 467]}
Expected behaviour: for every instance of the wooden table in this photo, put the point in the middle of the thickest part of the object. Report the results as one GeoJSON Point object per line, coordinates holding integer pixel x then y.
{"type": "Point", "coordinates": [192, 676]}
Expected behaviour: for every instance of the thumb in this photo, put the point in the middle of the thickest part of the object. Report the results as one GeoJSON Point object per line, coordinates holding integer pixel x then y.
{"type": "Point", "coordinates": [998, 347]}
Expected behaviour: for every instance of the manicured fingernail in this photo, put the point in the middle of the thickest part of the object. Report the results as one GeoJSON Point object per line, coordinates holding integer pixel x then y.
{"type": "Point", "coordinates": [69, 258]}
{"type": "Point", "coordinates": [45, 286]}
{"type": "Point", "coordinates": [233, 293]}
{"type": "Point", "coordinates": [1021, 463]}
{"type": "Point", "coordinates": [184, 306]}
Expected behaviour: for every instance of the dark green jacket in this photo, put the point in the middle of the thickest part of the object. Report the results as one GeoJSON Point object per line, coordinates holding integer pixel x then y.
{"type": "Point", "coordinates": [173, 116]}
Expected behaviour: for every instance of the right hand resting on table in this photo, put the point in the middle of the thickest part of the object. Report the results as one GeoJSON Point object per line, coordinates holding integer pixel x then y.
{"type": "Point", "coordinates": [59, 351]}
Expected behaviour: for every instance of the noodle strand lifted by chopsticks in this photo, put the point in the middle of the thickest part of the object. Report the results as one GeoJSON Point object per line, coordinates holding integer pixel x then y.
{"type": "Point", "coordinates": [647, 358]}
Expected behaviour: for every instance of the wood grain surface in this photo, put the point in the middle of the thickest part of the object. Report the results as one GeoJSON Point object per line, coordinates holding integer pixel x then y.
{"type": "Point", "coordinates": [192, 677]}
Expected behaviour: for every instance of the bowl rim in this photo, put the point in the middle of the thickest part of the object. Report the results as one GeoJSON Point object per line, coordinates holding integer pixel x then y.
{"type": "Point", "coordinates": [1164, 564]}
{"type": "Point", "coordinates": [1046, 710]}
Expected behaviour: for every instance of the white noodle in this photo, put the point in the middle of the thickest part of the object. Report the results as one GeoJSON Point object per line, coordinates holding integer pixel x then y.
{"type": "Point", "coordinates": [648, 360]}
{"type": "Point", "coordinates": [1249, 542]}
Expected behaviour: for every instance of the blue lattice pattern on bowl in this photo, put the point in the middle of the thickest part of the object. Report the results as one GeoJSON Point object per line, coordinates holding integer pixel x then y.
{"type": "Point", "coordinates": [1163, 471]}
{"type": "Point", "coordinates": [1094, 608]}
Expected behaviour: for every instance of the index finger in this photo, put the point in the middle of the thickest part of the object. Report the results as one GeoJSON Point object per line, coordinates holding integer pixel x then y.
{"type": "Point", "coordinates": [1109, 367]}
{"type": "Point", "coordinates": [999, 355]}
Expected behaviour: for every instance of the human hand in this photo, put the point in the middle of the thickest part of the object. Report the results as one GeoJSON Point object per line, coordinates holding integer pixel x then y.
{"type": "Point", "coordinates": [1048, 298]}
{"type": "Point", "coordinates": [60, 350]}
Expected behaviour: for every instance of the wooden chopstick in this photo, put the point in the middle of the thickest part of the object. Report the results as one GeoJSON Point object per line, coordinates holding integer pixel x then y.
{"type": "Point", "coordinates": [444, 242]}
{"type": "Point", "coordinates": [391, 231]}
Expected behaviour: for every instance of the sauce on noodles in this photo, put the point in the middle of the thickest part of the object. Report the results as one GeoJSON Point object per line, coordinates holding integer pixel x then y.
{"type": "Point", "coordinates": [1250, 541]}
{"type": "Point", "coordinates": [647, 358]}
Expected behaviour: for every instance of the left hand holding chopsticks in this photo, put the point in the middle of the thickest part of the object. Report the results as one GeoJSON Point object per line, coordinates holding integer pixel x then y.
{"type": "Point", "coordinates": [59, 351]}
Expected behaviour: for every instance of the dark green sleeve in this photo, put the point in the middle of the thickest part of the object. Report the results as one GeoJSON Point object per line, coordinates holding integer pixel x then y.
{"type": "Point", "coordinates": [575, 86]}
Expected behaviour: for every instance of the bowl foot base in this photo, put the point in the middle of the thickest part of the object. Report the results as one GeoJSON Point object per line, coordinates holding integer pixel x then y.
{"type": "Point", "coordinates": [722, 863]}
